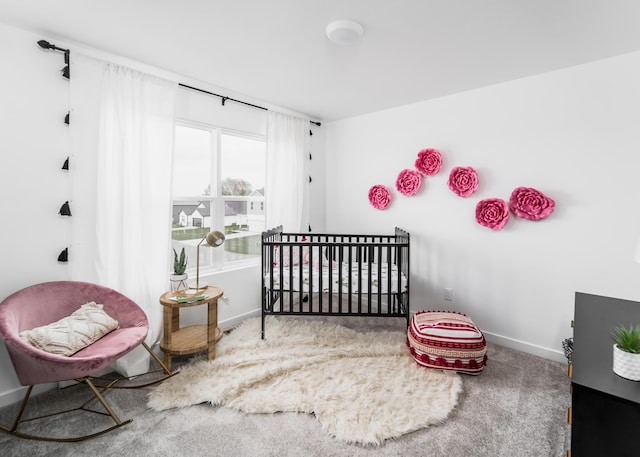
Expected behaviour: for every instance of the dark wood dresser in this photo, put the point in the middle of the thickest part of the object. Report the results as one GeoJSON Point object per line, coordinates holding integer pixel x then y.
{"type": "Point", "coordinates": [605, 408]}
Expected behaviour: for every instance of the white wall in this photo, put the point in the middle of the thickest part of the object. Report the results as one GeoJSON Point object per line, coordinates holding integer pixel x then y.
{"type": "Point", "coordinates": [573, 134]}
{"type": "Point", "coordinates": [34, 142]}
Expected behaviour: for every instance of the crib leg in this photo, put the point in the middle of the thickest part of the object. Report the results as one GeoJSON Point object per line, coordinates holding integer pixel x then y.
{"type": "Point", "coordinates": [262, 332]}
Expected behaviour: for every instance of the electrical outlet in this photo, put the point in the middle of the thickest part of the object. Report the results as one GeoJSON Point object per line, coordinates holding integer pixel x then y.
{"type": "Point", "coordinates": [448, 293]}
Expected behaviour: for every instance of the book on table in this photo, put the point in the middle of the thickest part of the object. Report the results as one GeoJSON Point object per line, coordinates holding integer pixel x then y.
{"type": "Point", "coordinates": [186, 297]}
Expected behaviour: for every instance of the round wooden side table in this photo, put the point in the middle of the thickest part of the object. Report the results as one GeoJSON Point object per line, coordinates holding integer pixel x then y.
{"type": "Point", "coordinates": [193, 338]}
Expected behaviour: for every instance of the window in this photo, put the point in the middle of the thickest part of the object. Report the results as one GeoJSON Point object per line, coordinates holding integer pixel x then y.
{"type": "Point", "coordinates": [218, 178]}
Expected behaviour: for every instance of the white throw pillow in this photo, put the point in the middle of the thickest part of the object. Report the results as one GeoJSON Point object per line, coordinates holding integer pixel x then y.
{"type": "Point", "coordinates": [72, 333]}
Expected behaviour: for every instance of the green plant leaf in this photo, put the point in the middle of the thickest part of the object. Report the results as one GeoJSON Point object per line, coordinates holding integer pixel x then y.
{"type": "Point", "coordinates": [179, 263]}
{"type": "Point", "coordinates": [627, 339]}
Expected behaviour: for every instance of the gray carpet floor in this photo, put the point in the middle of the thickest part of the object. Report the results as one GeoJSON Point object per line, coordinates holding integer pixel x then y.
{"type": "Point", "coordinates": [516, 407]}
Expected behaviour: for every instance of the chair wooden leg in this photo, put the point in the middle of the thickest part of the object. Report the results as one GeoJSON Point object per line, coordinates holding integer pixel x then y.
{"type": "Point", "coordinates": [19, 420]}
{"type": "Point", "coordinates": [167, 374]}
{"type": "Point", "coordinates": [164, 367]}
{"type": "Point", "coordinates": [101, 399]}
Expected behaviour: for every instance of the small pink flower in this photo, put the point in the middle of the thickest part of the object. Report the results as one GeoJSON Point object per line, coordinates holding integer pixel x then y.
{"type": "Point", "coordinates": [492, 213]}
{"type": "Point", "coordinates": [429, 161]}
{"type": "Point", "coordinates": [463, 181]}
{"type": "Point", "coordinates": [408, 182]}
{"type": "Point", "coordinates": [531, 204]}
{"type": "Point", "coordinates": [379, 196]}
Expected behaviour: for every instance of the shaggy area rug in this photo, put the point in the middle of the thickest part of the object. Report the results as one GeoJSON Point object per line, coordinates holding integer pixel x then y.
{"type": "Point", "coordinates": [362, 387]}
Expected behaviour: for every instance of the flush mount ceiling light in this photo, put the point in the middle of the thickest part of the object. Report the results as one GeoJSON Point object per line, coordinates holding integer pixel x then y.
{"type": "Point", "coordinates": [344, 32]}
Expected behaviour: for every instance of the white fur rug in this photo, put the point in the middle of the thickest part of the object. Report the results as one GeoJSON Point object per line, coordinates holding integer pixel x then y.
{"type": "Point", "coordinates": [362, 387]}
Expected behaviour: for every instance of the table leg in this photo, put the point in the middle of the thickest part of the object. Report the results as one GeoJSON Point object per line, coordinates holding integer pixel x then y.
{"type": "Point", "coordinates": [171, 320]}
{"type": "Point", "coordinates": [212, 326]}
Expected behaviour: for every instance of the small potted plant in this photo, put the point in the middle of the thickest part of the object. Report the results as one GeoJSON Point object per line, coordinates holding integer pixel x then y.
{"type": "Point", "coordinates": [626, 352]}
{"type": "Point", "coordinates": [179, 277]}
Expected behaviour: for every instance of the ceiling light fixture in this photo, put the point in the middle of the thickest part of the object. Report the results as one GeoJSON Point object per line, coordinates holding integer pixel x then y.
{"type": "Point", "coordinates": [344, 32]}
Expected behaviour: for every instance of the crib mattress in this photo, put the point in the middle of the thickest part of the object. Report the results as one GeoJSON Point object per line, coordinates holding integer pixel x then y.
{"type": "Point", "coordinates": [363, 279]}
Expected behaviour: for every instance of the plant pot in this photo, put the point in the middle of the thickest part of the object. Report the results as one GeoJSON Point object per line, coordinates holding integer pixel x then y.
{"type": "Point", "coordinates": [626, 364]}
{"type": "Point", "coordinates": [178, 282]}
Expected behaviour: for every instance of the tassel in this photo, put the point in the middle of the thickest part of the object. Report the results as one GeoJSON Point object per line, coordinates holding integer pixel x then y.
{"type": "Point", "coordinates": [65, 210]}
{"type": "Point", "coordinates": [64, 255]}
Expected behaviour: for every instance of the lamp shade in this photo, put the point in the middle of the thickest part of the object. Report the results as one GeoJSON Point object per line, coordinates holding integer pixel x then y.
{"type": "Point", "coordinates": [215, 238]}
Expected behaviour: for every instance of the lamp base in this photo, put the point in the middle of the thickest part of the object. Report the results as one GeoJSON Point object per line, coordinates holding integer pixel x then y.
{"type": "Point", "coordinates": [194, 291]}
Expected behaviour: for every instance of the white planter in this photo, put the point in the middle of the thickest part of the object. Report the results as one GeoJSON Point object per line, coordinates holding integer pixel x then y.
{"type": "Point", "coordinates": [626, 364]}
{"type": "Point", "coordinates": [178, 282]}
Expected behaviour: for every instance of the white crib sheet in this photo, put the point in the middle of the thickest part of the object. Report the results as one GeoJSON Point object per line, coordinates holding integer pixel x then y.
{"type": "Point", "coordinates": [368, 281]}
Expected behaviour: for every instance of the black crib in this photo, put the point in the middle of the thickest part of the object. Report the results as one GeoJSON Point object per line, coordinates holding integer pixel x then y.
{"type": "Point", "coordinates": [335, 275]}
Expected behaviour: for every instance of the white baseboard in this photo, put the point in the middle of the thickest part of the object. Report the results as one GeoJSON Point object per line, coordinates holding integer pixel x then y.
{"type": "Point", "coordinates": [228, 324]}
{"type": "Point", "coordinates": [17, 394]}
{"type": "Point", "coordinates": [540, 351]}
{"type": "Point", "coordinates": [551, 354]}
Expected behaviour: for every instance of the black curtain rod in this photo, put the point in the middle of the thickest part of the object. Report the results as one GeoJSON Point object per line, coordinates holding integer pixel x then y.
{"type": "Point", "coordinates": [225, 98]}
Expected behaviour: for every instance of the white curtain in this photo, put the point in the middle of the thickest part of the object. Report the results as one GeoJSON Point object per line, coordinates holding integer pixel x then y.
{"type": "Point", "coordinates": [122, 127]}
{"type": "Point", "coordinates": [287, 184]}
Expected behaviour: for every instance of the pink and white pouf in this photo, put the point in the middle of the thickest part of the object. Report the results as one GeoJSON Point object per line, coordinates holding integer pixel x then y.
{"type": "Point", "coordinates": [447, 340]}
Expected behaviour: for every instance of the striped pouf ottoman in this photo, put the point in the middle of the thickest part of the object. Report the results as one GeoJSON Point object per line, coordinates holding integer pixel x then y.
{"type": "Point", "coordinates": [447, 340]}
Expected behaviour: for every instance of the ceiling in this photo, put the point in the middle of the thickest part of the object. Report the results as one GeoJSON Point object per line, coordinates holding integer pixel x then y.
{"type": "Point", "coordinates": [276, 50]}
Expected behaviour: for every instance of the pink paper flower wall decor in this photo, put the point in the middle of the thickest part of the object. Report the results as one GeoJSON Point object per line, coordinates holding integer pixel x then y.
{"type": "Point", "coordinates": [408, 182]}
{"type": "Point", "coordinates": [531, 204]}
{"type": "Point", "coordinates": [463, 181]}
{"type": "Point", "coordinates": [492, 213]}
{"type": "Point", "coordinates": [429, 161]}
{"type": "Point", "coordinates": [379, 196]}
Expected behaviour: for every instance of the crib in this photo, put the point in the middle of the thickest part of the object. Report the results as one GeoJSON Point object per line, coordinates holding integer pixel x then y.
{"type": "Point", "coordinates": [310, 274]}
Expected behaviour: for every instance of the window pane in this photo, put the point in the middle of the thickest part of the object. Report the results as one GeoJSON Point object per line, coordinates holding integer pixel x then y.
{"type": "Point", "coordinates": [192, 170]}
{"type": "Point", "coordinates": [192, 163]}
{"type": "Point", "coordinates": [243, 169]}
{"type": "Point", "coordinates": [243, 165]}
{"type": "Point", "coordinates": [190, 219]}
{"type": "Point", "coordinates": [242, 228]}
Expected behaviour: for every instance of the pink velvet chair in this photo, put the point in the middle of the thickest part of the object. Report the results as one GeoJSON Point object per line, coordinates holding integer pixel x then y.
{"type": "Point", "coordinates": [42, 304]}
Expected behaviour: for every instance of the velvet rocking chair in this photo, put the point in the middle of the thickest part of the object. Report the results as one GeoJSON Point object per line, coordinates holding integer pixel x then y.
{"type": "Point", "coordinates": [41, 305]}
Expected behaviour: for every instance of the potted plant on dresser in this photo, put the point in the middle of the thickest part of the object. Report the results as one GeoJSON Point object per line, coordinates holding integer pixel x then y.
{"type": "Point", "coordinates": [626, 352]}
{"type": "Point", "coordinates": [179, 278]}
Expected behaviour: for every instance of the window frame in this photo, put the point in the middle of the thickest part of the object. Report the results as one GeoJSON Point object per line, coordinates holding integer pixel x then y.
{"type": "Point", "coordinates": [215, 199]}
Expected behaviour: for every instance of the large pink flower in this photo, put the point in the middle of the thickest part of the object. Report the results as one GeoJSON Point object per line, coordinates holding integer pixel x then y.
{"type": "Point", "coordinates": [429, 161]}
{"type": "Point", "coordinates": [463, 181]}
{"type": "Point", "coordinates": [408, 182]}
{"type": "Point", "coordinates": [379, 196]}
{"type": "Point", "coordinates": [492, 213]}
{"type": "Point", "coordinates": [531, 204]}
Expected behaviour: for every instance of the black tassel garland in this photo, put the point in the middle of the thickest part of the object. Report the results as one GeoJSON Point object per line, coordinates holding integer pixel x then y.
{"type": "Point", "coordinates": [64, 255]}
{"type": "Point", "coordinates": [65, 210]}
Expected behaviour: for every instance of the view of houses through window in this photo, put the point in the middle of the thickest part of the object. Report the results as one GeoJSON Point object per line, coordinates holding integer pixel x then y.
{"type": "Point", "coordinates": [218, 184]}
